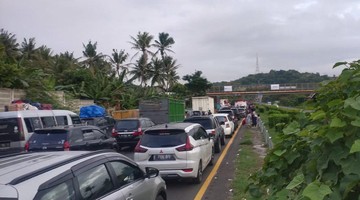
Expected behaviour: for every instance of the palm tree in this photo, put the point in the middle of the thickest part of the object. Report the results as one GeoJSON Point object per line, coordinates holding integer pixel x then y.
{"type": "Point", "coordinates": [157, 73]}
{"type": "Point", "coordinates": [171, 75]}
{"type": "Point", "coordinates": [28, 48]}
{"type": "Point", "coordinates": [142, 43]}
{"type": "Point", "coordinates": [164, 44]}
{"type": "Point", "coordinates": [10, 45]}
{"type": "Point", "coordinates": [93, 61]}
{"type": "Point", "coordinates": [117, 59]}
{"type": "Point", "coordinates": [141, 71]}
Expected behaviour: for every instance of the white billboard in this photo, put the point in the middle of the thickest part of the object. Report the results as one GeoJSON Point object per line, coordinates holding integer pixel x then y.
{"type": "Point", "coordinates": [228, 88]}
{"type": "Point", "coordinates": [275, 86]}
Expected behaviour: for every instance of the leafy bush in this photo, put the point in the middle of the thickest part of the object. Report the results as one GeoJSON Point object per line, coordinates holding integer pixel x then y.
{"type": "Point", "coordinates": [319, 155]}
{"type": "Point", "coordinates": [278, 118]}
{"type": "Point", "coordinates": [279, 127]}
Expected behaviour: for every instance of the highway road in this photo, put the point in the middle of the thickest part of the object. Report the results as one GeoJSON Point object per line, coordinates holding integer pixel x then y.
{"type": "Point", "coordinates": [186, 190]}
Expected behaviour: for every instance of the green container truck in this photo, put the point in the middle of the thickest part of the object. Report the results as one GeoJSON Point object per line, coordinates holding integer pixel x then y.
{"type": "Point", "coordinates": [162, 110]}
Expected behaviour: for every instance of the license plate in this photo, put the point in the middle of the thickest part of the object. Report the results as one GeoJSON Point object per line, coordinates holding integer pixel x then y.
{"type": "Point", "coordinates": [125, 135]}
{"type": "Point", "coordinates": [161, 157]}
{"type": "Point", "coordinates": [5, 145]}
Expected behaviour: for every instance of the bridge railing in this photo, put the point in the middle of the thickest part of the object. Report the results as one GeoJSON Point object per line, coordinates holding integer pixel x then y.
{"type": "Point", "coordinates": [265, 133]}
{"type": "Point", "coordinates": [265, 87]}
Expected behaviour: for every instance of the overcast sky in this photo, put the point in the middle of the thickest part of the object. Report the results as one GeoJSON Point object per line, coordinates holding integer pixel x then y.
{"type": "Point", "coordinates": [221, 38]}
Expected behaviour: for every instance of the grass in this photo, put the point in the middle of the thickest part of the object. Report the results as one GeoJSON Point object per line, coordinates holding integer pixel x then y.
{"type": "Point", "coordinates": [247, 163]}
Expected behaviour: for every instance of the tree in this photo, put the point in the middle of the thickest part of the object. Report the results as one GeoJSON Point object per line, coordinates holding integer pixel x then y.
{"type": "Point", "coordinates": [28, 48]}
{"type": "Point", "coordinates": [171, 76]}
{"type": "Point", "coordinates": [10, 45]}
{"type": "Point", "coordinates": [118, 59]}
{"type": "Point", "coordinates": [163, 44]}
{"type": "Point", "coordinates": [142, 43]}
{"type": "Point", "coordinates": [94, 61]}
{"type": "Point", "coordinates": [197, 84]}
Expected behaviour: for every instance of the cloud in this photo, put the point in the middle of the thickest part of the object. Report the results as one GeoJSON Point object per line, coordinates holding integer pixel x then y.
{"type": "Point", "coordinates": [220, 38]}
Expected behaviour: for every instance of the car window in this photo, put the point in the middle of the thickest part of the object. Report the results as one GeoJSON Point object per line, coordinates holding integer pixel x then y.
{"type": "Point", "coordinates": [205, 122]}
{"type": "Point", "coordinates": [75, 119]}
{"type": "Point", "coordinates": [48, 136]}
{"type": "Point", "coordinates": [198, 134]}
{"type": "Point", "coordinates": [62, 191]}
{"type": "Point", "coordinates": [48, 121]}
{"type": "Point", "coordinates": [221, 118]}
{"type": "Point", "coordinates": [202, 133]}
{"type": "Point", "coordinates": [11, 126]}
{"type": "Point", "coordinates": [76, 136]}
{"type": "Point", "coordinates": [94, 182]}
{"type": "Point", "coordinates": [126, 173]}
{"type": "Point", "coordinates": [61, 120]}
{"type": "Point", "coordinates": [88, 135]}
{"type": "Point", "coordinates": [32, 123]}
{"type": "Point", "coordinates": [163, 138]}
{"type": "Point", "coordinates": [98, 134]}
{"type": "Point", "coordinates": [127, 125]}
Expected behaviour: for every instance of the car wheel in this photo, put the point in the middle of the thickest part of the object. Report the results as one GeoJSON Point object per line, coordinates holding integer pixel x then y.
{"type": "Point", "coordinates": [223, 139]}
{"type": "Point", "coordinates": [217, 146]}
{"type": "Point", "coordinates": [159, 197]}
{"type": "Point", "coordinates": [199, 175]}
{"type": "Point", "coordinates": [212, 157]}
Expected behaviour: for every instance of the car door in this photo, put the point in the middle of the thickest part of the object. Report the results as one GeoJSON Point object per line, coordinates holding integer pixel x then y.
{"type": "Point", "coordinates": [206, 145]}
{"type": "Point", "coordinates": [90, 140]}
{"type": "Point", "coordinates": [132, 182]}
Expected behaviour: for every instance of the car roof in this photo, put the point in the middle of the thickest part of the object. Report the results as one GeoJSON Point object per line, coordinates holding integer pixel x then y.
{"type": "Point", "coordinates": [17, 168]}
{"type": "Point", "coordinates": [68, 127]}
{"type": "Point", "coordinates": [221, 114]}
{"type": "Point", "coordinates": [133, 118]}
{"type": "Point", "coordinates": [200, 117]}
{"type": "Point", "coordinates": [174, 126]}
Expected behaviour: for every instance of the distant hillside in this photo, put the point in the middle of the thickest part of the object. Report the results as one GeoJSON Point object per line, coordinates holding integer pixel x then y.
{"type": "Point", "coordinates": [279, 77]}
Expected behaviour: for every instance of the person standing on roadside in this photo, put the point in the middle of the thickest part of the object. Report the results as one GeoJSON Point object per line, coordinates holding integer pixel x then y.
{"type": "Point", "coordinates": [253, 119]}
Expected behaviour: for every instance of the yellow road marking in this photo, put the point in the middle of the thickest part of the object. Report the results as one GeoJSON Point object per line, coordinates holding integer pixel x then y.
{"type": "Point", "coordinates": [207, 182]}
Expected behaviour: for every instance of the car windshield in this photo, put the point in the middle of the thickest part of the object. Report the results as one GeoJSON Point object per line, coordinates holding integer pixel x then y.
{"type": "Point", "coordinates": [48, 137]}
{"type": "Point", "coordinates": [163, 138]}
{"type": "Point", "coordinates": [206, 123]}
{"type": "Point", "coordinates": [127, 125]}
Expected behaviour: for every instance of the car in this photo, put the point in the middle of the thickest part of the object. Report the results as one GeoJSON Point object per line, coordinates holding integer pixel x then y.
{"type": "Point", "coordinates": [178, 150]}
{"type": "Point", "coordinates": [212, 127]}
{"type": "Point", "coordinates": [226, 123]}
{"type": "Point", "coordinates": [127, 132]}
{"type": "Point", "coordinates": [196, 113]}
{"type": "Point", "coordinates": [232, 116]}
{"type": "Point", "coordinates": [105, 123]}
{"type": "Point", "coordinates": [69, 138]}
{"type": "Point", "coordinates": [60, 175]}
{"type": "Point", "coordinates": [16, 127]}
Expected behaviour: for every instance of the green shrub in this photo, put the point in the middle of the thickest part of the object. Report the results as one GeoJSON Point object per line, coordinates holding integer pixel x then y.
{"type": "Point", "coordinates": [278, 118]}
{"type": "Point", "coordinates": [279, 127]}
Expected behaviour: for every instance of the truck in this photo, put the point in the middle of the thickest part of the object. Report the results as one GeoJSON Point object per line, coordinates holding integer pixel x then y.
{"type": "Point", "coordinates": [163, 110]}
{"type": "Point", "coordinates": [203, 103]}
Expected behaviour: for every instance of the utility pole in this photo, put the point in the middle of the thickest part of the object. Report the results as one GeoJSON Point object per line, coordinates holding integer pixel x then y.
{"type": "Point", "coordinates": [257, 65]}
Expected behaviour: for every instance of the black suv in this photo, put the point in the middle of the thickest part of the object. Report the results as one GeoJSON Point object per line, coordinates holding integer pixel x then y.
{"type": "Point", "coordinates": [104, 123]}
{"type": "Point", "coordinates": [127, 132]}
{"type": "Point", "coordinates": [213, 128]}
{"type": "Point", "coordinates": [65, 138]}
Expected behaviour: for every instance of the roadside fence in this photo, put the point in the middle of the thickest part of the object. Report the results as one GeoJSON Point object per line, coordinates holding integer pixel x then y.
{"type": "Point", "coordinates": [265, 133]}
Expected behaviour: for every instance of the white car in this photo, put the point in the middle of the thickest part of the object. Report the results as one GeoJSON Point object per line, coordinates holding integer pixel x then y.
{"type": "Point", "coordinates": [226, 123]}
{"type": "Point", "coordinates": [177, 150]}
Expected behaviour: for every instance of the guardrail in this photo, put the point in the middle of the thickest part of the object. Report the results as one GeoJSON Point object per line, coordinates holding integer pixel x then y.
{"type": "Point", "coordinates": [265, 133]}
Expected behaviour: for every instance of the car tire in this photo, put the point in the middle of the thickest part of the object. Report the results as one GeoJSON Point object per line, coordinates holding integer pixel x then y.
{"type": "Point", "coordinates": [223, 140]}
{"type": "Point", "coordinates": [199, 175]}
{"type": "Point", "coordinates": [159, 197]}
{"type": "Point", "coordinates": [217, 146]}
{"type": "Point", "coordinates": [211, 163]}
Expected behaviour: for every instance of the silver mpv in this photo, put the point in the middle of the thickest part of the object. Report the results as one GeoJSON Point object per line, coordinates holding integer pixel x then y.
{"type": "Point", "coordinates": [76, 175]}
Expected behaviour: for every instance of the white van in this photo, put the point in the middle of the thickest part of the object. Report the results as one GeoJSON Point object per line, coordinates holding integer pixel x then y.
{"type": "Point", "coordinates": [17, 126]}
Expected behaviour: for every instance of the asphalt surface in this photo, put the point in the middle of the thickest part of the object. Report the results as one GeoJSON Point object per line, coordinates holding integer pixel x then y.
{"type": "Point", "coordinates": [220, 186]}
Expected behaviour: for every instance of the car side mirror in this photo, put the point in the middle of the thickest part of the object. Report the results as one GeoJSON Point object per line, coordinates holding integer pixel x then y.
{"type": "Point", "coordinates": [151, 172]}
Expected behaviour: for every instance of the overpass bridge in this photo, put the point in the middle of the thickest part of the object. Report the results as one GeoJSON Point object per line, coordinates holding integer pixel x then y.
{"type": "Point", "coordinates": [262, 89]}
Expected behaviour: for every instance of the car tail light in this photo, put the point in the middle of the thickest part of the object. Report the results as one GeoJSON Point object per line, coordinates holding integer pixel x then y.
{"type": "Point", "coordinates": [66, 146]}
{"type": "Point", "coordinates": [27, 145]}
{"type": "Point", "coordinates": [188, 170]}
{"type": "Point", "coordinates": [114, 133]}
{"type": "Point", "coordinates": [139, 149]}
{"type": "Point", "coordinates": [138, 132]}
{"type": "Point", "coordinates": [186, 147]}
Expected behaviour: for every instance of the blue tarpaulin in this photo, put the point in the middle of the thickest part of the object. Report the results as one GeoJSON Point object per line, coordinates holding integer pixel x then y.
{"type": "Point", "coordinates": [92, 111]}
